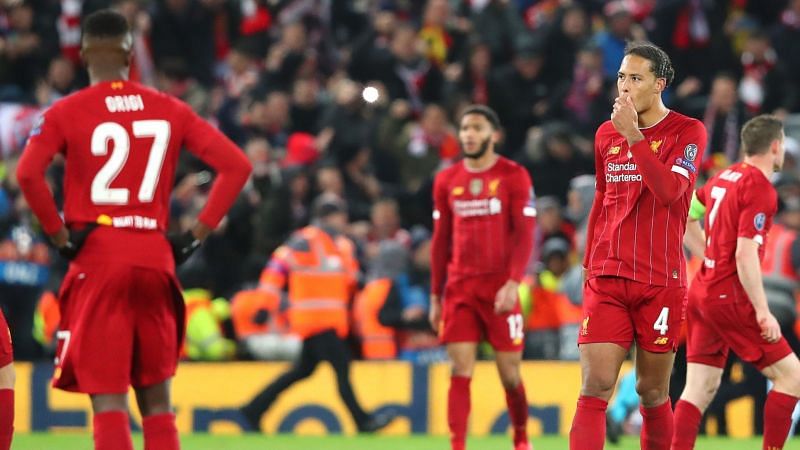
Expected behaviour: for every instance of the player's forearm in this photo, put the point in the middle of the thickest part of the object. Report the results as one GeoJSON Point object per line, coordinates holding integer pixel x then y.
{"type": "Point", "coordinates": [594, 213]}
{"type": "Point", "coordinates": [695, 238]}
{"type": "Point", "coordinates": [748, 268]}
{"type": "Point", "coordinates": [666, 185]}
{"type": "Point", "coordinates": [231, 178]}
{"type": "Point", "coordinates": [31, 179]}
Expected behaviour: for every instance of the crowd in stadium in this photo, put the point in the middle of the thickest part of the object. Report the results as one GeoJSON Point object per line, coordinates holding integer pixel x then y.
{"type": "Point", "coordinates": [356, 101]}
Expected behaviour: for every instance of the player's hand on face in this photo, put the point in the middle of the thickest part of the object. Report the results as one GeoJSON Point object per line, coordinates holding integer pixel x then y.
{"type": "Point", "coordinates": [770, 329]}
{"type": "Point", "coordinates": [506, 297]}
{"type": "Point", "coordinates": [435, 313]}
{"type": "Point", "coordinates": [624, 116]}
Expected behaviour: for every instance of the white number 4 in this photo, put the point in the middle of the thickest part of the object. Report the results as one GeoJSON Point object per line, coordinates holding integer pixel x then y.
{"type": "Point", "coordinates": [662, 321]}
{"type": "Point", "coordinates": [102, 193]}
{"type": "Point", "coordinates": [515, 327]}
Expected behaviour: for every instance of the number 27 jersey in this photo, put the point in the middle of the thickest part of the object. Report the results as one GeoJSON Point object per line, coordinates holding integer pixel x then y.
{"type": "Point", "coordinates": [121, 142]}
{"type": "Point", "coordinates": [740, 202]}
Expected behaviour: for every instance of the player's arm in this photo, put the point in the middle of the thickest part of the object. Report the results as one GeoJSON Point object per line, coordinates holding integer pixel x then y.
{"type": "Point", "coordinates": [442, 237]}
{"type": "Point", "coordinates": [695, 238]}
{"type": "Point", "coordinates": [228, 161]}
{"type": "Point", "coordinates": [752, 224]}
{"type": "Point", "coordinates": [44, 142]}
{"type": "Point", "coordinates": [597, 204]}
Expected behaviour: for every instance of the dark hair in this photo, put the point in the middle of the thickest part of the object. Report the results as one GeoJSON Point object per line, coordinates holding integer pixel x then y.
{"type": "Point", "coordinates": [105, 24]}
{"type": "Point", "coordinates": [759, 132]}
{"type": "Point", "coordinates": [660, 63]}
{"type": "Point", "coordinates": [484, 111]}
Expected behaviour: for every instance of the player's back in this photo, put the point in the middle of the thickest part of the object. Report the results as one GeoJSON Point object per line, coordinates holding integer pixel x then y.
{"type": "Point", "coordinates": [740, 202]}
{"type": "Point", "coordinates": [121, 142]}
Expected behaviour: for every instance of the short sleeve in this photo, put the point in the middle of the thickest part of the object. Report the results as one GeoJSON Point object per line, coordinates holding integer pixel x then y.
{"type": "Point", "coordinates": [688, 150]}
{"type": "Point", "coordinates": [756, 212]}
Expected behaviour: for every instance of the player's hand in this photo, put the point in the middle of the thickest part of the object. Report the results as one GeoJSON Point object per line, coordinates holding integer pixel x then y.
{"type": "Point", "coordinates": [625, 118]}
{"type": "Point", "coordinates": [435, 313]}
{"type": "Point", "coordinates": [770, 329]}
{"type": "Point", "coordinates": [506, 297]}
{"type": "Point", "coordinates": [69, 242]}
{"type": "Point", "coordinates": [183, 245]}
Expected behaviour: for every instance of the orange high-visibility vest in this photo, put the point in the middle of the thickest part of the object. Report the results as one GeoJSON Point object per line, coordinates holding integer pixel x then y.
{"type": "Point", "coordinates": [46, 318]}
{"type": "Point", "coordinates": [245, 305]}
{"type": "Point", "coordinates": [377, 341]}
{"type": "Point", "coordinates": [551, 310]}
{"type": "Point", "coordinates": [321, 283]}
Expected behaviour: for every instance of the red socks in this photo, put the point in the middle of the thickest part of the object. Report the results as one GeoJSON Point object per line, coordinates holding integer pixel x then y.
{"type": "Point", "coordinates": [589, 424]}
{"type": "Point", "coordinates": [112, 431]}
{"type": "Point", "coordinates": [657, 427]}
{"type": "Point", "coordinates": [687, 425]}
{"type": "Point", "coordinates": [160, 432]}
{"type": "Point", "coordinates": [458, 404]}
{"type": "Point", "coordinates": [6, 418]}
{"type": "Point", "coordinates": [518, 412]}
{"type": "Point", "coordinates": [777, 419]}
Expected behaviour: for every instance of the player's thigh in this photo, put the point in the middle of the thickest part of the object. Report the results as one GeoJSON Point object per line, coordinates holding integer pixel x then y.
{"type": "Point", "coordinates": [600, 365]}
{"type": "Point", "coordinates": [737, 325]}
{"type": "Point", "coordinates": [504, 331]}
{"type": "Point", "coordinates": [7, 376]}
{"type": "Point", "coordinates": [460, 319]}
{"type": "Point", "coordinates": [159, 327]}
{"type": "Point", "coordinates": [606, 317]}
{"type": "Point", "coordinates": [6, 350]}
{"type": "Point", "coordinates": [785, 373]}
{"type": "Point", "coordinates": [657, 316]}
{"type": "Point", "coordinates": [704, 345]}
{"type": "Point", "coordinates": [95, 337]}
{"type": "Point", "coordinates": [652, 375]}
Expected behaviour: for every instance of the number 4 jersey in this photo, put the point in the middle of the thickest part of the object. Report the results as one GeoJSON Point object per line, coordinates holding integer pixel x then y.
{"type": "Point", "coordinates": [740, 202]}
{"type": "Point", "coordinates": [121, 143]}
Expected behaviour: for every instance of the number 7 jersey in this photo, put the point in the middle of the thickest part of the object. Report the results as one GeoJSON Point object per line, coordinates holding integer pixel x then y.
{"type": "Point", "coordinates": [740, 202]}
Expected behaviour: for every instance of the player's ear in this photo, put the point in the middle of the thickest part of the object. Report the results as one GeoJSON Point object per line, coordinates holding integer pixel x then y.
{"type": "Point", "coordinates": [661, 84]}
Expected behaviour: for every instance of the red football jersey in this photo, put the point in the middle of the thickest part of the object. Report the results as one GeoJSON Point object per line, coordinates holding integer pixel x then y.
{"type": "Point", "coordinates": [121, 143]}
{"type": "Point", "coordinates": [483, 222]}
{"type": "Point", "coordinates": [740, 202]}
{"type": "Point", "coordinates": [635, 237]}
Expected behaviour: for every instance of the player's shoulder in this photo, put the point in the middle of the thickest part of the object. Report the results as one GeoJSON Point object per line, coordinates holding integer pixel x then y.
{"type": "Point", "coordinates": [511, 168]}
{"type": "Point", "coordinates": [605, 129]}
{"type": "Point", "coordinates": [448, 172]}
{"type": "Point", "coordinates": [684, 122]}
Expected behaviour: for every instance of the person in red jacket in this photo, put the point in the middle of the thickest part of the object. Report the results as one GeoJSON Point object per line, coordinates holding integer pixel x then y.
{"type": "Point", "coordinates": [120, 302]}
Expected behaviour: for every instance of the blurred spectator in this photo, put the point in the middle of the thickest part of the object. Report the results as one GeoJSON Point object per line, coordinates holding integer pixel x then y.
{"type": "Point", "coordinates": [345, 124]}
{"type": "Point", "coordinates": [765, 87]}
{"type": "Point", "coordinates": [60, 81]}
{"type": "Point", "coordinates": [305, 113]}
{"type": "Point", "coordinates": [585, 97]}
{"type": "Point", "coordinates": [182, 30]}
{"type": "Point", "coordinates": [498, 25]}
{"type": "Point", "coordinates": [361, 188]}
{"type": "Point", "coordinates": [142, 66]}
{"type": "Point", "coordinates": [579, 203]}
{"type": "Point", "coordinates": [557, 162]}
{"type": "Point", "coordinates": [469, 83]}
{"type": "Point", "coordinates": [620, 28]}
{"type": "Point", "coordinates": [566, 37]}
{"type": "Point", "coordinates": [242, 71]}
{"type": "Point", "coordinates": [442, 34]}
{"type": "Point", "coordinates": [551, 223]}
{"type": "Point", "coordinates": [785, 37]}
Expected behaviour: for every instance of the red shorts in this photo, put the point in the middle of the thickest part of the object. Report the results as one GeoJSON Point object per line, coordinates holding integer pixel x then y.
{"type": "Point", "coordinates": [468, 314]}
{"type": "Point", "coordinates": [121, 326]}
{"type": "Point", "coordinates": [717, 325]}
{"type": "Point", "coordinates": [6, 353]}
{"type": "Point", "coordinates": [618, 310]}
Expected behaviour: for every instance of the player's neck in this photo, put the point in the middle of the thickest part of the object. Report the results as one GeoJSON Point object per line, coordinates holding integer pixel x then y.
{"type": "Point", "coordinates": [762, 163]}
{"type": "Point", "coordinates": [653, 115]}
{"type": "Point", "coordinates": [97, 76]}
{"type": "Point", "coordinates": [480, 164]}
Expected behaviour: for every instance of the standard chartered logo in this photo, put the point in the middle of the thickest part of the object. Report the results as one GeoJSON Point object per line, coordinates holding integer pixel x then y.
{"type": "Point", "coordinates": [613, 174]}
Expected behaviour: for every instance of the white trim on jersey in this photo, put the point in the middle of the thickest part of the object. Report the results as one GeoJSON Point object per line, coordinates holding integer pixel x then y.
{"type": "Point", "coordinates": [529, 211]}
{"type": "Point", "coordinates": [436, 214]}
{"type": "Point", "coordinates": [681, 170]}
{"type": "Point", "coordinates": [759, 239]}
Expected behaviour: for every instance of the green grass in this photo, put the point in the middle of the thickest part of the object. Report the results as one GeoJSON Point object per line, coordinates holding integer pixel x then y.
{"type": "Point", "coordinates": [68, 441]}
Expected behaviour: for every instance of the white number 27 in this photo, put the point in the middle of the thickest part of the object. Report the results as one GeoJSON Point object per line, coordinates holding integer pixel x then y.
{"type": "Point", "coordinates": [102, 193]}
{"type": "Point", "coordinates": [662, 322]}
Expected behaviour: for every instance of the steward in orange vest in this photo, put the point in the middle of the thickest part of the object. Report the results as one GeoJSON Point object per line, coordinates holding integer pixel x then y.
{"type": "Point", "coordinates": [318, 269]}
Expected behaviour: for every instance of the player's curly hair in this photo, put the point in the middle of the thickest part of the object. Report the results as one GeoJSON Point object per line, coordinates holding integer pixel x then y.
{"type": "Point", "coordinates": [105, 24]}
{"type": "Point", "coordinates": [484, 111]}
{"type": "Point", "coordinates": [660, 63]}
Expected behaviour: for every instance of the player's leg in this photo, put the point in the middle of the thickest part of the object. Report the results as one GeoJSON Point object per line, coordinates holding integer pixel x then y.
{"type": "Point", "coordinates": [462, 356]}
{"type": "Point", "coordinates": [111, 422]}
{"type": "Point", "coordinates": [706, 354]}
{"type": "Point", "coordinates": [652, 385]}
{"type": "Point", "coordinates": [158, 420]}
{"type": "Point", "coordinates": [781, 400]}
{"type": "Point", "coordinates": [7, 379]}
{"type": "Point", "coordinates": [604, 339]}
{"type": "Point", "coordinates": [302, 368]}
{"type": "Point", "coordinates": [508, 366]}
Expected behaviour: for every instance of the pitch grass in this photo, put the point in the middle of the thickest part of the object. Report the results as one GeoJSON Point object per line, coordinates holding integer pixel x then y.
{"type": "Point", "coordinates": [69, 441]}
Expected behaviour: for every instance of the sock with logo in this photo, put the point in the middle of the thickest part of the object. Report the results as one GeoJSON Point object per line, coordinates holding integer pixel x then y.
{"type": "Point", "coordinates": [657, 427]}
{"type": "Point", "coordinates": [589, 424]}
{"type": "Point", "coordinates": [458, 405]}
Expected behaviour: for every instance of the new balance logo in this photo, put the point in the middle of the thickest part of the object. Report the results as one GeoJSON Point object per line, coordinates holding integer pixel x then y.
{"type": "Point", "coordinates": [661, 341]}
